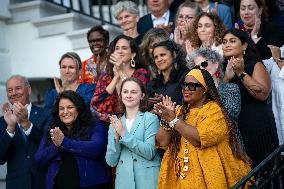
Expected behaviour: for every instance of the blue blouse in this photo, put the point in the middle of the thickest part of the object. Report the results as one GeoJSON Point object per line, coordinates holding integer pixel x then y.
{"type": "Point", "coordinates": [85, 90]}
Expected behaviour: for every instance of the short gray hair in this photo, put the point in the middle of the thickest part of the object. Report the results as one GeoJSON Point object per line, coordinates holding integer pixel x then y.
{"type": "Point", "coordinates": [211, 55]}
{"type": "Point", "coordinates": [20, 77]}
{"type": "Point", "coordinates": [128, 6]}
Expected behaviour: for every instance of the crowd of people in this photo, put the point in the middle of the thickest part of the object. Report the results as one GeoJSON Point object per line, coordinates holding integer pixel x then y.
{"type": "Point", "coordinates": [184, 99]}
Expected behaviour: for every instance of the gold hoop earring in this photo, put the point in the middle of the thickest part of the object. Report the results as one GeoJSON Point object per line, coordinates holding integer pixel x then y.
{"type": "Point", "coordinates": [132, 62]}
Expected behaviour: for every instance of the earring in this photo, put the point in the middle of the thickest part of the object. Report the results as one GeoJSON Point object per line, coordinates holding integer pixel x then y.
{"type": "Point", "coordinates": [217, 74]}
{"type": "Point", "coordinates": [132, 62]}
{"type": "Point", "coordinates": [204, 93]}
{"type": "Point", "coordinates": [244, 51]}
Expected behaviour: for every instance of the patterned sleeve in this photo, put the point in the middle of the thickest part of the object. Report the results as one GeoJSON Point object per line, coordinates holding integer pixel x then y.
{"type": "Point", "coordinates": [231, 99]}
{"type": "Point", "coordinates": [142, 74]}
{"type": "Point", "coordinates": [104, 104]}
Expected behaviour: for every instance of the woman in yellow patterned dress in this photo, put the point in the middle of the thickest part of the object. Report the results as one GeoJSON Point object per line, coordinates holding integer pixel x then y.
{"type": "Point", "coordinates": [202, 150]}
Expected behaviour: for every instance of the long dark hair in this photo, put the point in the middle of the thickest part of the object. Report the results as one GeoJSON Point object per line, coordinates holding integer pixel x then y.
{"type": "Point", "coordinates": [251, 52]}
{"type": "Point", "coordinates": [82, 123]}
{"type": "Point", "coordinates": [143, 103]}
{"type": "Point", "coordinates": [134, 49]}
{"type": "Point", "coordinates": [212, 95]}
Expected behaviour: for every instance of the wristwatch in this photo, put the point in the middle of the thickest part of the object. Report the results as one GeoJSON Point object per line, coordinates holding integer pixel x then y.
{"type": "Point", "coordinates": [242, 75]}
{"type": "Point", "coordinates": [173, 123]}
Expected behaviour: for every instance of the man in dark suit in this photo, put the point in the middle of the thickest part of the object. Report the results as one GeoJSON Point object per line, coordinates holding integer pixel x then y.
{"type": "Point", "coordinates": [21, 129]}
{"type": "Point", "coordinates": [159, 16]}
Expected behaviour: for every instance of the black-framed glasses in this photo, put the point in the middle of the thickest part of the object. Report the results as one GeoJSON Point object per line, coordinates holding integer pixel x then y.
{"type": "Point", "coordinates": [99, 40]}
{"type": "Point", "coordinates": [204, 64]}
{"type": "Point", "coordinates": [191, 86]}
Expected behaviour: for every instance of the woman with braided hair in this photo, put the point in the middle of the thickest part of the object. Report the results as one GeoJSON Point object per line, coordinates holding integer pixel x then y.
{"type": "Point", "coordinates": [202, 149]}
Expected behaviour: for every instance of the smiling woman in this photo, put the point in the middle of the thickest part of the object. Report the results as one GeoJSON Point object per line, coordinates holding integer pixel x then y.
{"type": "Point", "coordinates": [131, 140]}
{"type": "Point", "coordinates": [73, 149]}
{"type": "Point", "coordinates": [70, 68]}
{"type": "Point", "coordinates": [123, 62]}
{"type": "Point", "coordinates": [127, 16]}
{"type": "Point", "coordinates": [201, 144]}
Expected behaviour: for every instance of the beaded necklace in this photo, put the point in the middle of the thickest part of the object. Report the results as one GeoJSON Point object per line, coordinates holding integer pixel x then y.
{"type": "Point", "coordinates": [183, 173]}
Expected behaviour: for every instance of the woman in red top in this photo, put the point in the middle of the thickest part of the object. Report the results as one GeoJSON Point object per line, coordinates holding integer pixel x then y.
{"type": "Point", "coordinates": [123, 62]}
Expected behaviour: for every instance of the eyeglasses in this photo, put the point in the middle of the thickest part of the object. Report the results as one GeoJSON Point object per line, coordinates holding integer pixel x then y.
{"type": "Point", "coordinates": [185, 17]}
{"type": "Point", "coordinates": [191, 86]}
{"type": "Point", "coordinates": [204, 64]}
{"type": "Point", "coordinates": [99, 40]}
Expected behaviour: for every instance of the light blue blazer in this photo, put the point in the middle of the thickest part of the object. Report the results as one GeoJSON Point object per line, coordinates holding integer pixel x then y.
{"type": "Point", "coordinates": [135, 155]}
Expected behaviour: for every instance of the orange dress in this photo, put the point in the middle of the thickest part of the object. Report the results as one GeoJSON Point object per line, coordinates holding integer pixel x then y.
{"type": "Point", "coordinates": [212, 165]}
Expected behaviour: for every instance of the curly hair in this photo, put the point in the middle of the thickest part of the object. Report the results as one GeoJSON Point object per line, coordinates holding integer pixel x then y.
{"type": "Point", "coordinates": [128, 6]}
{"type": "Point", "coordinates": [208, 54]}
{"type": "Point", "coordinates": [212, 95]}
{"type": "Point", "coordinates": [143, 106]}
{"type": "Point", "coordinates": [82, 123]}
{"type": "Point", "coordinates": [134, 49]}
{"type": "Point", "coordinates": [101, 30]}
{"type": "Point", "coordinates": [218, 31]}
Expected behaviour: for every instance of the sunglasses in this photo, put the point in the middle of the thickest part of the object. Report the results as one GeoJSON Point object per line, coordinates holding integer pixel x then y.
{"type": "Point", "coordinates": [204, 64]}
{"type": "Point", "coordinates": [191, 86]}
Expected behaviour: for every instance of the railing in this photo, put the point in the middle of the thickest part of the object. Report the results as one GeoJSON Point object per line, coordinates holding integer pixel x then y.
{"type": "Point", "coordinates": [98, 9]}
{"type": "Point", "coordinates": [268, 174]}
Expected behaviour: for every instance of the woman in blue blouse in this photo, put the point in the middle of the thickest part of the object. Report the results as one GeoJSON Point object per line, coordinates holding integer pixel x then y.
{"type": "Point", "coordinates": [70, 69]}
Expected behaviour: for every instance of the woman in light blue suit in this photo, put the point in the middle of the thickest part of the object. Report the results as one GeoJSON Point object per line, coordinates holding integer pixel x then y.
{"type": "Point", "coordinates": [131, 140]}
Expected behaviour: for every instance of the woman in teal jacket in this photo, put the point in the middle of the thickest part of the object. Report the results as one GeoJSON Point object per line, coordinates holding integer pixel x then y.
{"type": "Point", "coordinates": [131, 140]}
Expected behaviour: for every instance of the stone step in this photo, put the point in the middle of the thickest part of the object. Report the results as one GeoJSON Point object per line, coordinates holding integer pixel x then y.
{"type": "Point", "coordinates": [78, 38]}
{"type": "Point", "coordinates": [59, 24]}
{"type": "Point", "coordinates": [27, 11]}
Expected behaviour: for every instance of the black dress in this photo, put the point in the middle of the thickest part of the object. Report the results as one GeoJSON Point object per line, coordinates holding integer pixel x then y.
{"type": "Point", "coordinates": [171, 88]}
{"type": "Point", "coordinates": [256, 122]}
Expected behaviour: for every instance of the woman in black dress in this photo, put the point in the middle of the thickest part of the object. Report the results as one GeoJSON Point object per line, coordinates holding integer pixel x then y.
{"type": "Point", "coordinates": [256, 120]}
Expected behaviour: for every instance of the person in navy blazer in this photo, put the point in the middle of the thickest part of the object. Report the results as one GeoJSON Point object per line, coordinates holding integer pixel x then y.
{"type": "Point", "coordinates": [21, 130]}
{"type": "Point", "coordinates": [159, 11]}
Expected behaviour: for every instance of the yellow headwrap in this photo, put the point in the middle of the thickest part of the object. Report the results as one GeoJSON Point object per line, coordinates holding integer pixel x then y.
{"type": "Point", "coordinates": [196, 73]}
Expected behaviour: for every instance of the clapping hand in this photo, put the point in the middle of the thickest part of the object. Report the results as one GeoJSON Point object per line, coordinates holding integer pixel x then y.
{"type": "Point", "coordinates": [115, 59]}
{"type": "Point", "coordinates": [59, 88]}
{"type": "Point", "coordinates": [21, 113]}
{"type": "Point", "coordinates": [237, 65]}
{"type": "Point", "coordinates": [166, 109]}
{"type": "Point", "coordinates": [9, 117]}
{"type": "Point", "coordinates": [188, 47]}
{"type": "Point", "coordinates": [229, 73]}
{"type": "Point", "coordinates": [117, 126]}
{"type": "Point", "coordinates": [168, 27]}
{"type": "Point", "coordinates": [57, 136]}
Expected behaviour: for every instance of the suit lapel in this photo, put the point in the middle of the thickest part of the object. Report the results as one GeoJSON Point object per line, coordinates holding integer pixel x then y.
{"type": "Point", "coordinates": [138, 120]}
{"type": "Point", "coordinates": [34, 115]}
